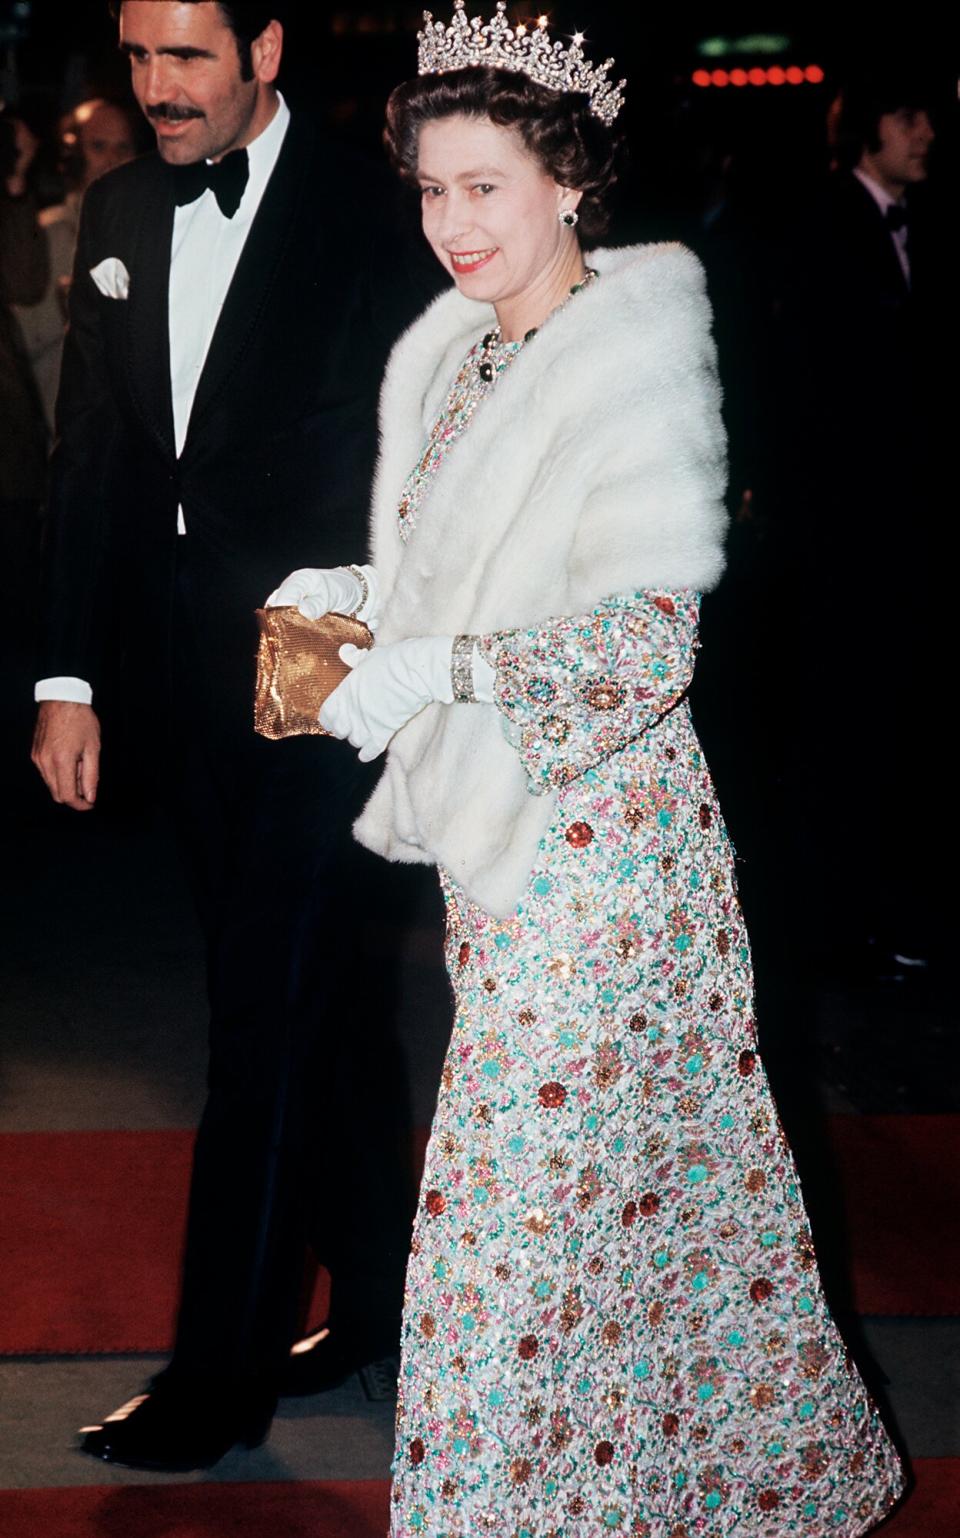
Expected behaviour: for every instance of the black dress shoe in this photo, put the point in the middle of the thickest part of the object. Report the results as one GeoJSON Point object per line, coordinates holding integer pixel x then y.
{"type": "Point", "coordinates": [324, 1361]}
{"type": "Point", "coordinates": [178, 1430]}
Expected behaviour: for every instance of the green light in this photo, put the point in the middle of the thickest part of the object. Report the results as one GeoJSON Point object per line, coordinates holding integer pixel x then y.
{"type": "Point", "coordinates": [755, 43]}
{"type": "Point", "coordinates": [763, 42]}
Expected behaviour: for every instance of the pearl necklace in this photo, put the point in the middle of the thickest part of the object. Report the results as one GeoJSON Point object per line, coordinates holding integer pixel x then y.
{"type": "Point", "coordinates": [485, 367]}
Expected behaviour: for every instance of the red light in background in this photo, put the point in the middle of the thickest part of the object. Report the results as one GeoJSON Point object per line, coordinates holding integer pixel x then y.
{"type": "Point", "coordinates": [775, 75]}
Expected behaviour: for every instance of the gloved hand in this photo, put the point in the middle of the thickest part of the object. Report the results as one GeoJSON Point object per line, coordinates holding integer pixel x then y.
{"type": "Point", "coordinates": [389, 685]}
{"type": "Point", "coordinates": [335, 589]}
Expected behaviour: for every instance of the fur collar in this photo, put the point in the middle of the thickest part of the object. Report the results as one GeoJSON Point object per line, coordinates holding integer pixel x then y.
{"type": "Point", "coordinates": [595, 467]}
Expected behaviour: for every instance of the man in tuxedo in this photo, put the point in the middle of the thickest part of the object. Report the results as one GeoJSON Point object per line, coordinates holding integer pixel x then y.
{"type": "Point", "coordinates": [233, 302]}
{"type": "Point", "coordinates": [862, 447]}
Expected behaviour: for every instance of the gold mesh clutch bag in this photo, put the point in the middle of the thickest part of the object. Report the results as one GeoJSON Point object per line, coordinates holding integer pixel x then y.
{"type": "Point", "coordinates": [298, 665]}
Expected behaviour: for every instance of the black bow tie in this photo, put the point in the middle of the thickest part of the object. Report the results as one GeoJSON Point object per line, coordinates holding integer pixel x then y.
{"type": "Point", "coordinates": [226, 179]}
{"type": "Point", "coordinates": [897, 217]}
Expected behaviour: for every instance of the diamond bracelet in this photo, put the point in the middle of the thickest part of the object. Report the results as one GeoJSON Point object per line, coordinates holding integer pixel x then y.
{"type": "Point", "coordinates": [357, 571]}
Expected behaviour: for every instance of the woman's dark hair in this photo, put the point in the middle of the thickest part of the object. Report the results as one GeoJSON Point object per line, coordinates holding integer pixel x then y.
{"type": "Point", "coordinates": [572, 145]}
{"type": "Point", "coordinates": [246, 20]}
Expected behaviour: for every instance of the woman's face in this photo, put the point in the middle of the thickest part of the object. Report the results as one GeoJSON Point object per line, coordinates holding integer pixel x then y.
{"type": "Point", "coordinates": [490, 211]}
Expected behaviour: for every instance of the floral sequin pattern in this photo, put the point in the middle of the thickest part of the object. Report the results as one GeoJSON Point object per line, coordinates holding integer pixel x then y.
{"type": "Point", "coordinates": [468, 390]}
{"type": "Point", "coordinates": [574, 691]}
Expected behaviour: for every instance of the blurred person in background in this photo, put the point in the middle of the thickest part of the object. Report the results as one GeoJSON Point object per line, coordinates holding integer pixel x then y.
{"type": "Point", "coordinates": [23, 279]}
{"type": "Point", "coordinates": [865, 301]}
{"type": "Point", "coordinates": [95, 137]}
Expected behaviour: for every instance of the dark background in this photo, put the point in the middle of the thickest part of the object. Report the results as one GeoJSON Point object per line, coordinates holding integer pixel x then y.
{"type": "Point", "coordinates": [342, 60]}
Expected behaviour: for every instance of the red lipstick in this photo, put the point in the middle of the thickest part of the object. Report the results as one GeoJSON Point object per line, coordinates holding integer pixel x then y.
{"type": "Point", "coordinates": [467, 261]}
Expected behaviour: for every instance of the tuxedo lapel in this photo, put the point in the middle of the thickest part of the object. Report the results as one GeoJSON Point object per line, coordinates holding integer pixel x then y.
{"type": "Point", "coordinates": [876, 236]}
{"type": "Point", "coordinates": [255, 275]}
{"type": "Point", "coordinates": [148, 330]}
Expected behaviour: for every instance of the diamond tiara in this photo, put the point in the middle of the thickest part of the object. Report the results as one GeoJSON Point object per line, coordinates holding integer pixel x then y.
{"type": "Point", "coordinates": [468, 43]}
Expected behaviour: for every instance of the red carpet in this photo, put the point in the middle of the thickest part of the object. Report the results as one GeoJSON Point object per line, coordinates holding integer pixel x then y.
{"type": "Point", "coordinates": [932, 1509]}
{"type": "Point", "coordinates": [91, 1224]}
{"type": "Point", "coordinates": [335, 1510]}
{"type": "Point", "coordinates": [901, 1183]}
{"type": "Point", "coordinates": [345, 1509]}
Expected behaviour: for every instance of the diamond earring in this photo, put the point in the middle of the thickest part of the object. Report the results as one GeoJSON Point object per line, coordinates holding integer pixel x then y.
{"type": "Point", "coordinates": [569, 217]}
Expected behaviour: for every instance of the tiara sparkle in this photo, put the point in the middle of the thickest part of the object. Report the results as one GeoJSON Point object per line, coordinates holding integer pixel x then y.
{"type": "Point", "coordinates": [469, 43]}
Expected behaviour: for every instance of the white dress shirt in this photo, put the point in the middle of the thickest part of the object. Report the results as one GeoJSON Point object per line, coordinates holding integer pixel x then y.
{"type": "Point", "coordinates": [203, 259]}
{"type": "Point", "coordinates": [884, 201]}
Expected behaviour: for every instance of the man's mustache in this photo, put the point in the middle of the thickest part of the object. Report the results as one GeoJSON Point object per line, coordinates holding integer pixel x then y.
{"type": "Point", "coordinates": [169, 112]}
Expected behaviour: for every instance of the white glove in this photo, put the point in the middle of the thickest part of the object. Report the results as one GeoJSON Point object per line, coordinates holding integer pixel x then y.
{"type": "Point", "coordinates": [389, 685]}
{"type": "Point", "coordinates": [333, 589]}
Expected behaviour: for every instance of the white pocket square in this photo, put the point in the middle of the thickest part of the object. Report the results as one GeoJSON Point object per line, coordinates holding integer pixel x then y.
{"type": "Point", "coordinates": [111, 278]}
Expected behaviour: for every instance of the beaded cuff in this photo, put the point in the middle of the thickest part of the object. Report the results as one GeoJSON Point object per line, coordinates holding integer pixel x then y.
{"type": "Point", "coordinates": [461, 669]}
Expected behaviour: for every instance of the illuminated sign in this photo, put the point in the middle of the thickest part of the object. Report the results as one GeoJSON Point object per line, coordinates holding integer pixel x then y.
{"type": "Point", "coordinates": [756, 42]}
{"type": "Point", "coordinates": [774, 75]}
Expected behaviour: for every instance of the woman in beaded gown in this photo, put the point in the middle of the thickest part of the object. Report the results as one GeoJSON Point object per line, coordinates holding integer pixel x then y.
{"type": "Point", "coordinates": [614, 1323]}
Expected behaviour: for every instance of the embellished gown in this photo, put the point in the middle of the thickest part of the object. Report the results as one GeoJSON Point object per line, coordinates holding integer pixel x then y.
{"type": "Point", "coordinates": [613, 1320]}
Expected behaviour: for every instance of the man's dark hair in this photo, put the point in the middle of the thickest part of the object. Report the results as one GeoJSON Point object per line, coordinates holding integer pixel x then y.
{"type": "Point", "coordinates": [246, 20]}
{"type": "Point", "coordinates": [864, 100]}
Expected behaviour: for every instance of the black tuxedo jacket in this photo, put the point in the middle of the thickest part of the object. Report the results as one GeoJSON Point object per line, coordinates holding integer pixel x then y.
{"type": "Point", "coordinates": [882, 340]}
{"type": "Point", "coordinates": [851, 349]}
{"type": "Point", "coordinates": [864, 295]}
{"type": "Point", "coordinates": [275, 471]}
{"type": "Point", "coordinates": [858, 409]}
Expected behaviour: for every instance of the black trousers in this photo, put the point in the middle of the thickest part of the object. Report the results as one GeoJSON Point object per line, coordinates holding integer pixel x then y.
{"type": "Point", "coordinates": [303, 1141]}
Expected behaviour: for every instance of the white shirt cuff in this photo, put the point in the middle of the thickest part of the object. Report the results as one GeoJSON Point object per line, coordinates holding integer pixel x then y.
{"type": "Point", "coordinates": [76, 690]}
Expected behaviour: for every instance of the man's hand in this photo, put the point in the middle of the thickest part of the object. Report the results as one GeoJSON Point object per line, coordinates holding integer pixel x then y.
{"type": "Point", "coordinates": [66, 750]}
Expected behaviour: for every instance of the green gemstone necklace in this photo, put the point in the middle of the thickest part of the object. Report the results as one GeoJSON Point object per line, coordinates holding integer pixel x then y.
{"type": "Point", "coordinates": [485, 367]}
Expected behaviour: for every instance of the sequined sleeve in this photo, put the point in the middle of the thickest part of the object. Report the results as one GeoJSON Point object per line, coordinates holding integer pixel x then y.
{"type": "Point", "coordinates": [574, 691]}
